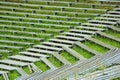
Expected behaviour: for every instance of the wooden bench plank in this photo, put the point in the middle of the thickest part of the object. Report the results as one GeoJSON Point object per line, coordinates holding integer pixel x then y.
{"type": "Point", "coordinates": [95, 25]}
{"type": "Point", "coordinates": [117, 9]}
{"type": "Point", "coordinates": [102, 22]}
{"type": "Point", "coordinates": [70, 38]}
{"type": "Point", "coordinates": [114, 12]}
{"type": "Point", "coordinates": [48, 47]}
{"type": "Point", "coordinates": [82, 31]}
{"type": "Point", "coordinates": [90, 28]}
{"type": "Point", "coordinates": [7, 67]}
{"type": "Point", "coordinates": [24, 58]}
{"type": "Point", "coordinates": [2, 72]}
{"type": "Point", "coordinates": [76, 34]}
{"type": "Point", "coordinates": [13, 62]}
{"type": "Point", "coordinates": [62, 41]}
{"type": "Point", "coordinates": [110, 15]}
{"type": "Point", "coordinates": [33, 54]}
{"type": "Point", "coordinates": [108, 19]}
{"type": "Point", "coordinates": [55, 44]}
{"type": "Point", "coordinates": [40, 51]}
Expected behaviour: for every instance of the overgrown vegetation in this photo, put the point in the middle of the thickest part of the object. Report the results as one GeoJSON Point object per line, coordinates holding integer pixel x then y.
{"type": "Point", "coordinates": [113, 33]}
{"type": "Point", "coordinates": [108, 41]}
{"type": "Point", "coordinates": [69, 57]}
{"type": "Point", "coordinates": [82, 52]}
{"type": "Point", "coordinates": [116, 78]}
{"type": "Point", "coordinates": [41, 65]}
{"type": "Point", "coordinates": [27, 70]}
{"type": "Point", "coordinates": [96, 47]}
{"type": "Point", "coordinates": [55, 61]}
{"type": "Point", "coordinates": [1, 77]}
{"type": "Point", "coordinates": [13, 75]}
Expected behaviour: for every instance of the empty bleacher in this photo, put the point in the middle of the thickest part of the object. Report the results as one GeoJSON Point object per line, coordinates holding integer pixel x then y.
{"type": "Point", "coordinates": [39, 31]}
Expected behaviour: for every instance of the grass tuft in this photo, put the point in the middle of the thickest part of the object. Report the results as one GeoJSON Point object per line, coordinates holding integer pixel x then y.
{"type": "Point", "coordinates": [42, 66]}
{"type": "Point", "coordinates": [108, 41]}
{"type": "Point", "coordinates": [55, 61]}
{"type": "Point", "coordinates": [82, 52]}
{"type": "Point", "coordinates": [96, 47]}
{"type": "Point", "coordinates": [69, 57]}
{"type": "Point", "coordinates": [13, 75]}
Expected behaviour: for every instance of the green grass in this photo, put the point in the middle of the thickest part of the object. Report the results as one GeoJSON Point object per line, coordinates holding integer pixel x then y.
{"type": "Point", "coordinates": [58, 4]}
{"type": "Point", "coordinates": [13, 75]}
{"type": "Point", "coordinates": [104, 7]}
{"type": "Point", "coordinates": [27, 70]}
{"type": "Point", "coordinates": [95, 11]}
{"type": "Point", "coordinates": [108, 41]}
{"type": "Point", "coordinates": [37, 2]}
{"type": "Point", "coordinates": [4, 55]}
{"type": "Point", "coordinates": [41, 65]}
{"type": "Point", "coordinates": [116, 78]}
{"type": "Point", "coordinates": [55, 61]}
{"type": "Point", "coordinates": [1, 77]}
{"type": "Point", "coordinates": [118, 26]}
{"type": "Point", "coordinates": [81, 5]}
{"type": "Point", "coordinates": [82, 52]}
{"type": "Point", "coordinates": [96, 47]}
{"type": "Point", "coordinates": [113, 33]}
{"type": "Point", "coordinates": [69, 57]}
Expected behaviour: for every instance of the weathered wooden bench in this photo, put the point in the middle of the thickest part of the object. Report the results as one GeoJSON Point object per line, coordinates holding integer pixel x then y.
{"type": "Point", "coordinates": [62, 41]}
{"type": "Point", "coordinates": [24, 58]}
{"type": "Point", "coordinates": [70, 38]}
{"type": "Point", "coordinates": [48, 47]}
{"type": "Point", "coordinates": [55, 44]}
{"type": "Point", "coordinates": [33, 54]}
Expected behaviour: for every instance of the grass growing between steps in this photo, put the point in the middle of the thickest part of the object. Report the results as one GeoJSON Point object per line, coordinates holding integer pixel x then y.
{"type": "Point", "coordinates": [96, 47]}
{"type": "Point", "coordinates": [108, 41]}
{"type": "Point", "coordinates": [27, 70]}
{"type": "Point", "coordinates": [116, 78]}
{"type": "Point", "coordinates": [4, 55]}
{"type": "Point", "coordinates": [55, 61]}
{"type": "Point", "coordinates": [82, 52]}
{"type": "Point", "coordinates": [13, 75]}
{"type": "Point", "coordinates": [1, 77]}
{"type": "Point", "coordinates": [113, 33]}
{"type": "Point", "coordinates": [69, 57]}
{"type": "Point", "coordinates": [42, 66]}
